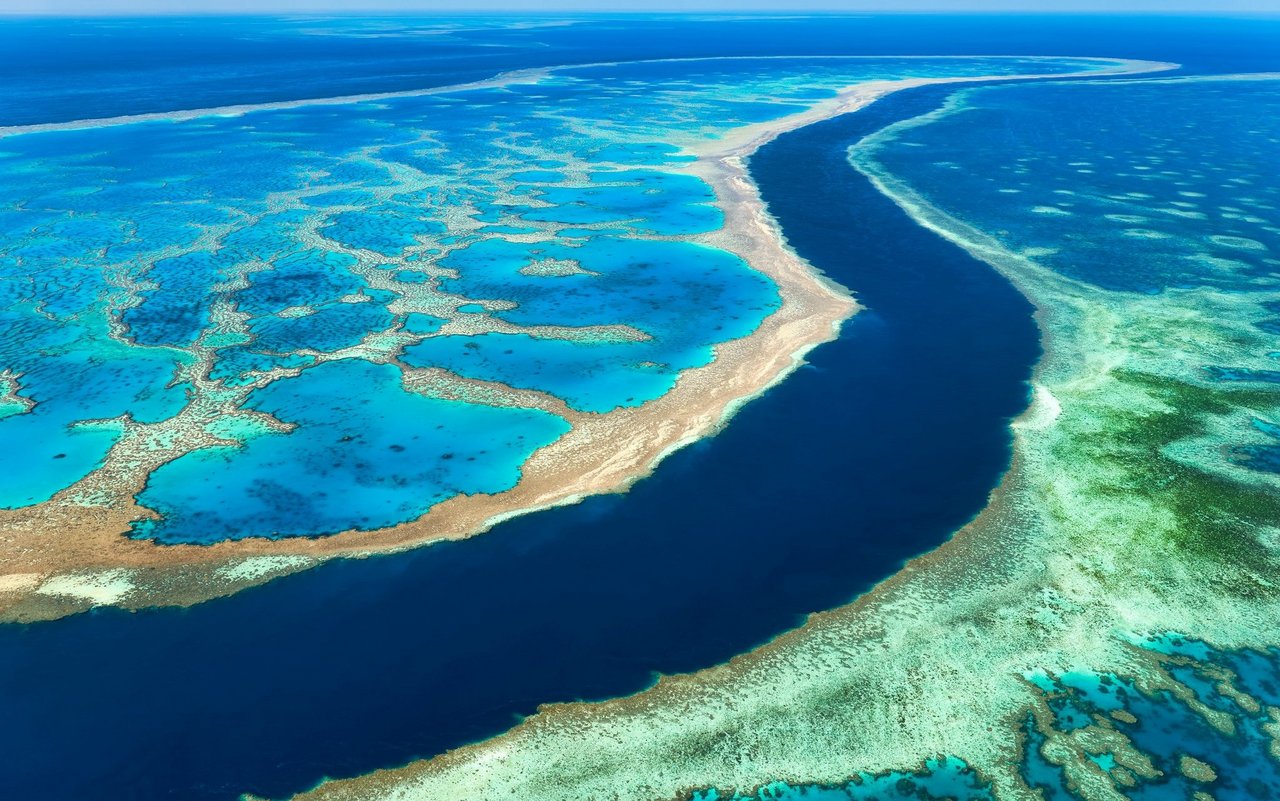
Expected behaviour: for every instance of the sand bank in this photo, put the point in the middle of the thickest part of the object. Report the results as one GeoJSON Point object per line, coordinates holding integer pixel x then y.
{"type": "Point", "coordinates": [68, 543]}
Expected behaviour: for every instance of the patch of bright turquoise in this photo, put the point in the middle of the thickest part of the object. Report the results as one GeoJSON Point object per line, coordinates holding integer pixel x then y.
{"type": "Point", "coordinates": [684, 298]}
{"type": "Point", "coordinates": [670, 290]}
{"type": "Point", "coordinates": [74, 377]}
{"type": "Point", "coordinates": [365, 454]}
{"type": "Point", "coordinates": [939, 778]}
{"type": "Point", "coordinates": [1166, 728]}
{"type": "Point", "coordinates": [589, 376]}
{"type": "Point", "coordinates": [243, 249]}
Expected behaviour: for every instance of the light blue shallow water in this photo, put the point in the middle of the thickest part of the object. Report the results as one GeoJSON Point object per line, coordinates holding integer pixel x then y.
{"type": "Point", "coordinates": [682, 298]}
{"type": "Point", "coordinates": [1165, 728]}
{"type": "Point", "coordinates": [938, 778]}
{"type": "Point", "coordinates": [83, 725]}
{"type": "Point", "coordinates": [365, 459]}
{"type": "Point", "coordinates": [538, 235]}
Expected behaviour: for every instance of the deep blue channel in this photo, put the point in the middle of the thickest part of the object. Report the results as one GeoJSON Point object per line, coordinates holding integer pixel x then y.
{"type": "Point", "coordinates": [886, 444]}
{"type": "Point", "coordinates": [878, 451]}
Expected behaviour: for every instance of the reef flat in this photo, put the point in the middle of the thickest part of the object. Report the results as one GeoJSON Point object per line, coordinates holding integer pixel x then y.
{"type": "Point", "coordinates": [1106, 628]}
{"type": "Point", "coordinates": [449, 307]}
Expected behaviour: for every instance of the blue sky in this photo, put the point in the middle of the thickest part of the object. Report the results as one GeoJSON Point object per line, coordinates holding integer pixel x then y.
{"type": "Point", "coordinates": [179, 6]}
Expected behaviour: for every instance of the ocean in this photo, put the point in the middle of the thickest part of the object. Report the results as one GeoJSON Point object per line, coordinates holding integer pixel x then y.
{"type": "Point", "coordinates": [885, 444]}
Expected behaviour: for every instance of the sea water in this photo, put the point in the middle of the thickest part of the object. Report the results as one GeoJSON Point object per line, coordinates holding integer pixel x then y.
{"type": "Point", "coordinates": [219, 260]}
{"type": "Point", "coordinates": [581, 602]}
{"type": "Point", "coordinates": [1153, 198]}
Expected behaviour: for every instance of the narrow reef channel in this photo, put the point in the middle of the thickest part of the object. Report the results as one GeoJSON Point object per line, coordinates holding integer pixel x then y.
{"type": "Point", "coordinates": [888, 442]}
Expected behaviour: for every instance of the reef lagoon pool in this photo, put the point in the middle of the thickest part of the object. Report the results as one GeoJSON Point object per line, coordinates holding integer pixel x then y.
{"type": "Point", "coordinates": [249, 346]}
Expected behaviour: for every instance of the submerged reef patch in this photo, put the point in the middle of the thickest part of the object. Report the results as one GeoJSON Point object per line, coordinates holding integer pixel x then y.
{"type": "Point", "coordinates": [1107, 628]}
{"type": "Point", "coordinates": [279, 330]}
{"type": "Point", "coordinates": [938, 778]}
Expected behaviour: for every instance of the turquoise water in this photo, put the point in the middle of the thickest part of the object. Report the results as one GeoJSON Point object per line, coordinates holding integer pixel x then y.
{"type": "Point", "coordinates": [938, 778]}
{"type": "Point", "coordinates": [680, 299]}
{"type": "Point", "coordinates": [1165, 728]}
{"type": "Point", "coordinates": [389, 454]}
{"type": "Point", "coordinates": [168, 279]}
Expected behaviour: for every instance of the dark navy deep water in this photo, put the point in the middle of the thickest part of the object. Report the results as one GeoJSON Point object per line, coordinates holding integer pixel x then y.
{"type": "Point", "coordinates": [889, 442]}
{"type": "Point", "coordinates": [886, 444]}
{"type": "Point", "coordinates": [54, 70]}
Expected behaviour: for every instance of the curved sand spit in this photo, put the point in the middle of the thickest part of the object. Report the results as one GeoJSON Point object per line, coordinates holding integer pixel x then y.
{"type": "Point", "coordinates": [63, 556]}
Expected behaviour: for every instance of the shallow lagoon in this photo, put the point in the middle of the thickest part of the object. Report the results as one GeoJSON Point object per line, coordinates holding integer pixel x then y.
{"type": "Point", "coordinates": [455, 618]}
{"type": "Point", "coordinates": [134, 672]}
{"type": "Point", "coordinates": [533, 236]}
{"type": "Point", "coordinates": [387, 453]}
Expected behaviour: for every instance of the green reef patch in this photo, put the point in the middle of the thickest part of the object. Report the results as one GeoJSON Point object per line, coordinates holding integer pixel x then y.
{"type": "Point", "coordinates": [1107, 628]}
